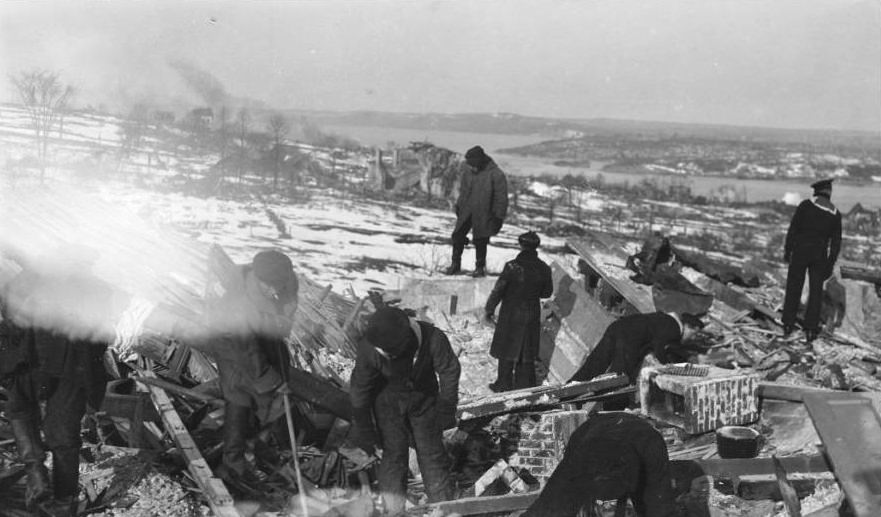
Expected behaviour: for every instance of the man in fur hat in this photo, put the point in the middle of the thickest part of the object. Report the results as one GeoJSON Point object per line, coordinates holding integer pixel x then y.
{"type": "Point", "coordinates": [812, 245]}
{"type": "Point", "coordinates": [515, 343]}
{"type": "Point", "coordinates": [480, 209]}
{"type": "Point", "coordinates": [406, 378]}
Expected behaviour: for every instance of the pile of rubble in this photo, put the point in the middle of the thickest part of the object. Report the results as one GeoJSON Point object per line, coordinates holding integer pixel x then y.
{"type": "Point", "coordinates": [152, 447]}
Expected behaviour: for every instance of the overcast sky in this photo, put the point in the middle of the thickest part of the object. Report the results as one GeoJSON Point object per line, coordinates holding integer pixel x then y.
{"type": "Point", "coordinates": [782, 63]}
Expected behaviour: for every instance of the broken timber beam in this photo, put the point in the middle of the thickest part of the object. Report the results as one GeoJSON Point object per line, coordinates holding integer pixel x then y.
{"type": "Point", "coordinates": [219, 499]}
{"type": "Point", "coordinates": [511, 401]}
{"type": "Point", "coordinates": [180, 390]}
{"type": "Point", "coordinates": [850, 429]}
{"type": "Point", "coordinates": [788, 392]}
{"type": "Point", "coordinates": [863, 272]}
{"type": "Point", "coordinates": [478, 505]}
{"type": "Point", "coordinates": [609, 262]}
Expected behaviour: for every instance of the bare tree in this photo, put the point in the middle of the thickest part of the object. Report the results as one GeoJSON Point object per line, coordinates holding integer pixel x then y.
{"type": "Point", "coordinates": [223, 134]}
{"type": "Point", "coordinates": [278, 127]}
{"type": "Point", "coordinates": [132, 132]}
{"type": "Point", "coordinates": [45, 98]}
{"type": "Point", "coordinates": [243, 122]}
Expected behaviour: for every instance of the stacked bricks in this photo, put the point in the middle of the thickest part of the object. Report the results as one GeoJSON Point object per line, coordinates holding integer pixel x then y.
{"type": "Point", "coordinates": [536, 441]}
{"type": "Point", "coordinates": [700, 404]}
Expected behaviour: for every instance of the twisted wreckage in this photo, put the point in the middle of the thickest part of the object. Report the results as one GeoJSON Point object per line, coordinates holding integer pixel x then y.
{"type": "Point", "coordinates": [813, 409]}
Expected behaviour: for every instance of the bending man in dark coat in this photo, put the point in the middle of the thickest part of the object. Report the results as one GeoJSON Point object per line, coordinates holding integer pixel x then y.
{"type": "Point", "coordinates": [812, 245]}
{"type": "Point", "coordinates": [56, 326]}
{"type": "Point", "coordinates": [515, 343]}
{"type": "Point", "coordinates": [407, 377]}
{"type": "Point", "coordinates": [629, 339]}
{"type": "Point", "coordinates": [481, 208]}
{"type": "Point", "coordinates": [611, 456]}
{"type": "Point", "coordinates": [248, 328]}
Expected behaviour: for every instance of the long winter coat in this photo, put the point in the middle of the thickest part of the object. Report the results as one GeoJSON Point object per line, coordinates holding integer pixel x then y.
{"type": "Point", "coordinates": [483, 197]}
{"type": "Point", "coordinates": [522, 283]}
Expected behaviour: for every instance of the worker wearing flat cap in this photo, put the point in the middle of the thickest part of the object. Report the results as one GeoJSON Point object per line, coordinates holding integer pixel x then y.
{"type": "Point", "coordinates": [249, 326]}
{"type": "Point", "coordinates": [612, 456]}
{"type": "Point", "coordinates": [405, 388]}
{"type": "Point", "coordinates": [481, 208]}
{"type": "Point", "coordinates": [813, 242]}
{"type": "Point", "coordinates": [521, 285]}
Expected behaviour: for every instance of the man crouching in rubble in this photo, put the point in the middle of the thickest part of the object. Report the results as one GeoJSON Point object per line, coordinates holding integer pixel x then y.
{"type": "Point", "coordinates": [251, 320]}
{"type": "Point", "coordinates": [629, 339]}
{"type": "Point", "coordinates": [612, 456]}
{"type": "Point", "coordinates": [51, 350]}
{"type": "Point", "coordinates": [407, 377]}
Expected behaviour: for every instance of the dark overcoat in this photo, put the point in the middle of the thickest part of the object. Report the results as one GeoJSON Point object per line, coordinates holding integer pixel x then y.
{"type": "Point", "coordinates": [523, 281]}
{"type": "Point", "coordinates": [483, 197]}
{"type": "Point", "coordinates": [627, 341]}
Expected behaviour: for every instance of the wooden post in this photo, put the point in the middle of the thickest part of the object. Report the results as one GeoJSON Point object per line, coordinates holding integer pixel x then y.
{"type": "Point", "coordinates": [213, 489]}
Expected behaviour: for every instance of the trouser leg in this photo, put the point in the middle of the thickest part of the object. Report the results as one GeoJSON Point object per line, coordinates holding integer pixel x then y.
{"type": "Point", "coordinates": [504, 375]}
{"type": "Point", "coordinates": [459, 238]}
{"type": "Point", "coordinates": [795, 280]}
{"type": "Point", "coordinates": [816, 276]}
{"type": "Point", "coordinates": [392, 470]}
{"type": "Point", "coordinates": [235, 433]}
{"type": "Point", "coordinates": [480, 252]}
{"type": "Point", "coordinates": [598, 361]}
{"type": "Point", "coordinates": [524, 375]}
{"type": "Point", "coordinates": [64, 413]}
{"type": "Point", "coordinates": [23, 411]}
{"type": "Point", "coordinates": [431, 454]}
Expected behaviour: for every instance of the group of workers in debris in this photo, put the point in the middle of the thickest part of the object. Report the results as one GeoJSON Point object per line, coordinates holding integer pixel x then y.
{"type": "Point", "coordinates": [405, 384]}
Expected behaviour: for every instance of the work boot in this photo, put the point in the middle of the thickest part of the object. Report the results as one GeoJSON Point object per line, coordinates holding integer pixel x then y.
{"type": "Point", "coordinates": [479, 272]}
{"type": "Point", "coordinates": [30, 449]}
{"type": "Point", "coordinates": [454, 269]}
{"type": "Point", "coordinates": [788, 330]}
{"type": "Point", "coordinates": [810, 335]}
{"type": "Point", "coordinates": [58, 507]}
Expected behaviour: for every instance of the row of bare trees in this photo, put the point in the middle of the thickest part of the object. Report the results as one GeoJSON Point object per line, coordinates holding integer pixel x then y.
{"type": "Point", "coordinates": [46, 99]}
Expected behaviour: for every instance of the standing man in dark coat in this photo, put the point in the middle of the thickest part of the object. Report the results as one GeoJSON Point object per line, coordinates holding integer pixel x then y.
{"type": "Point", "coordinates": [406, 376]}
{"type": "Point", "coordinates": [812, 245]}
{"type": "Point", "coordinates": [515, 343]}
{"type": "Point", "coordinates": [481, 208]}
{"type": "Point", "coordinates": [629, 339]}
{"type": "Point", "coordinates": [611, 456]}
{"type": "Point", "coordinates": [58, 326]}
{"type": "Point", "coordinates": [248, 328]}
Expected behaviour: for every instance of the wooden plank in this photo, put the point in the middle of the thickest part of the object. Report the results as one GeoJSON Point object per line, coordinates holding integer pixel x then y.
{"type": "Point", "coordinates": [575, 328]}
{"type": "Point", "coordinates": [219, 499]}
{"type": "Point", "coordinates": [790, 392]}
{"type": "Point", "coordinates": [609, 262]}
{"type": "Point", "coordinates": [478, 505]}
{"type": "Point", "coordinates": [735, 299]}
{"type": "Point", "coordinates": [535, 397]}
{"type": "Point", "coordinates": [851, 431]}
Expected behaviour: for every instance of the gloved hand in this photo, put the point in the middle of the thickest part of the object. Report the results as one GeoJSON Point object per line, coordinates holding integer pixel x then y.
{"type": "Point", "coordinates": [787, 256]}
{"type": "Point", "coordinates": [364, 434]}
{"type": "Point", "coordinates": [490, 318]}
{"type": "Point", "coordinates": [446, 414]}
